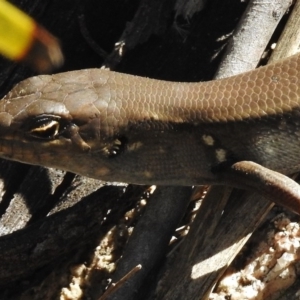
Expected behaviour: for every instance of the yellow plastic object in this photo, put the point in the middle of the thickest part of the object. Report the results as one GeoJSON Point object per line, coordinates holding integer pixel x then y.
{"type": "Point", "coordinates": [16, 31]}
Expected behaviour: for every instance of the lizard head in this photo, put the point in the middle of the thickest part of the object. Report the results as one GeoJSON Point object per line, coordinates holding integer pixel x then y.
{"type": "Point", "coordinates": [58, 121]}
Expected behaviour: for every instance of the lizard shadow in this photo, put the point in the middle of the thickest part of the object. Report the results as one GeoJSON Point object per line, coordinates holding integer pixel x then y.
{"type": "Point", "coordinates": [27, 194]}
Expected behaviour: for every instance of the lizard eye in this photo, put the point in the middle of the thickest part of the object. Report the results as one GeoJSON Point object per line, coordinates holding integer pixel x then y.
{"type": "Point", "coordinates": [46, 127]}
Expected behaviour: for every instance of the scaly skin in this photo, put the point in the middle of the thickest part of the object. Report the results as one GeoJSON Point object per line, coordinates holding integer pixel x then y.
{"type": "Point", "coordinates": [118, 127]}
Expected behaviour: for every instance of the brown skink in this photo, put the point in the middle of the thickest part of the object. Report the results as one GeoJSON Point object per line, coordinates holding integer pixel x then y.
{"type": "Point", "coordinates": [242, 131]}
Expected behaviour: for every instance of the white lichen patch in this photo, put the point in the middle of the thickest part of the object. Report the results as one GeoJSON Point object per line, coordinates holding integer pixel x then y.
{"type": "Point", "coordinates": [269, 271]}
{"type": "Point", "coordinates": [92, 277]}
{"type": "Point", "coordinates": [80, 274]}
